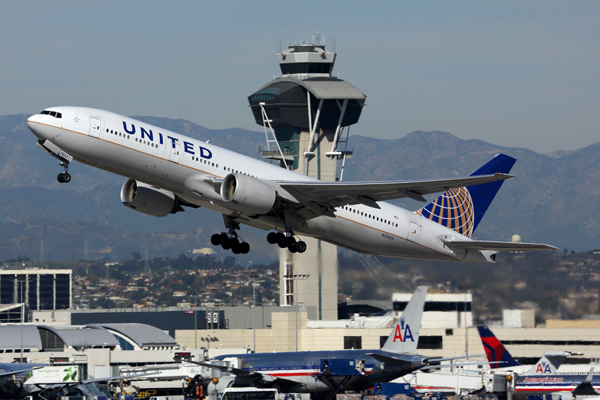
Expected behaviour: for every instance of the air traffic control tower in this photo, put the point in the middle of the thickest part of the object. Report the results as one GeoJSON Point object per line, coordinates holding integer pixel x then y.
{"type": "Point", "coordinates": [306, 115]}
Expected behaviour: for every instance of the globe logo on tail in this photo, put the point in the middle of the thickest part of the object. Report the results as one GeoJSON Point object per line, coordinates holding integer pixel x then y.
{"type": "Point", "coordinates": [453, 209]}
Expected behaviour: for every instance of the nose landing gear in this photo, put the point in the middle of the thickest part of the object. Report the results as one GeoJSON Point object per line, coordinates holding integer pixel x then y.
{"type": "Point", "coordinates": [64, 177]}
{"type": "Point", "coordinates": [288, 240]}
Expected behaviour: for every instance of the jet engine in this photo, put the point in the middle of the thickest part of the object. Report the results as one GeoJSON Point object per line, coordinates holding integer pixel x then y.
{"type": "Point", "coordinates": [149, 200]}
{"type": "Point", "coordinates": [248, 194]}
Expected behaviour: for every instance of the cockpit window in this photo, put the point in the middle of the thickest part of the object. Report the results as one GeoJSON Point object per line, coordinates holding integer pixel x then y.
{"type": "Point", "coordinates": [52, 113]}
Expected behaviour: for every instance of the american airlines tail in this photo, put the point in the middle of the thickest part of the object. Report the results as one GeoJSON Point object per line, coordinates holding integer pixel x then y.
{"type": "Point", "coordinates": [461, 209]}
{"type": "Point", "coordinates": [495, 351]}
{"type": "Point", "coordinates": [549, 363]}
{"type": "Point", "coordinates": [405, 335]}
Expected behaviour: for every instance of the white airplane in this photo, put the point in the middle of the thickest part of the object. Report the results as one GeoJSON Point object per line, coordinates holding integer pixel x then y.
{"type": "Point", "coordinates": [167, 170]}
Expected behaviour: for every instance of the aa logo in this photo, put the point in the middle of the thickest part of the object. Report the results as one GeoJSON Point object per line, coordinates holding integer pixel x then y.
{"type": "Point", "coordinates": [403, 332]}
{"type": "Point", "coordinates": [543, 368]}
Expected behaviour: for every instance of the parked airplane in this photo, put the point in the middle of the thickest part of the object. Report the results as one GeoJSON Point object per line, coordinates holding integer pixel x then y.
{"type": "Point", "coordinates": [501, 359]}
{"type": "Point", "coordinates": [541, 378]}
{"type": "Point", "coordinates": [323, 373]}
{"type": "Point", "coordinates": [166, 171]}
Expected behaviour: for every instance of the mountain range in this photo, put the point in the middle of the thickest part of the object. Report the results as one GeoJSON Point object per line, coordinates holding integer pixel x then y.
{"type": "Point", "coordinates": [555, 198]}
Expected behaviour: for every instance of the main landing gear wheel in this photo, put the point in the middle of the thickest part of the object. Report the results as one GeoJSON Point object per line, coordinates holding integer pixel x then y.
{"type": "Point", "coordinates": [286, 240]}
{"type": "Point", "coordinates": [222, 239]}
{"type": "Point", "coordinates": [64, 177]}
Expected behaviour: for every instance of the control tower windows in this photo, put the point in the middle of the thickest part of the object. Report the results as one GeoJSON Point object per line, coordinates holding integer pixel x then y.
{"type": "Point", "coordinates": [306, 68]}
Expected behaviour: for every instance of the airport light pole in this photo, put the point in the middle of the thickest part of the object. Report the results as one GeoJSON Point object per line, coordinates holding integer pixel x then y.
{"type": "Point", "coordinates": [254, 276]}
{"type": "Point", "coordinates": [296, 278]}
{"type": "Point", "coordinates": [20, 283]}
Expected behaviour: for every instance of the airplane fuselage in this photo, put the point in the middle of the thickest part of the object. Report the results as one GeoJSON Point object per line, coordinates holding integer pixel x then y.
{"type": "Point", "coordinates": [320, 371]}
{"type": "Point", "coordinates": [187, 167]}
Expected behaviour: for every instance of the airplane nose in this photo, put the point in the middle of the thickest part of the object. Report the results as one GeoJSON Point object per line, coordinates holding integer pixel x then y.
{"type": "Point", "coordinates": [31, 121]}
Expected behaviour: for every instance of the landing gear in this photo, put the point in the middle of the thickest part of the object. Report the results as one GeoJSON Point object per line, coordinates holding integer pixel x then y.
{"type": "Point", "coordinates": [230, 239]}
{"type": "Point", "coordinates": [64, 177]}
{"type": "Point", "coordinates": [288, 240]}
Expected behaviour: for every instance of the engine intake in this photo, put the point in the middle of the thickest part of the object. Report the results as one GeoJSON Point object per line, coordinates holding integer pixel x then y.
{"type": "Point", "coordinates": [247, 194]}
{"type": "Point", "coordinates": [149, 200]}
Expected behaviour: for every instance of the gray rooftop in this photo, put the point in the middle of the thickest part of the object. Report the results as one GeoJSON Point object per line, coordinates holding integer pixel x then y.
{"type": "Point", "coordinates": [143, 335]}
{"type": "Point", "coordinates": [84, 336]}
{"type": "Point", "coordinates": [328, 88]}
{"type": "Point", "coordinates": [10, 337]}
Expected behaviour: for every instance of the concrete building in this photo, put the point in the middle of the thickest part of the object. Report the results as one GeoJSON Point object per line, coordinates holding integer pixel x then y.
{"type": "Point", "coordinates": [526, 344]}
{"type": "Point", "coordinates": [442, 310]}
{"type": "Point", "coordinates": [39, 289]}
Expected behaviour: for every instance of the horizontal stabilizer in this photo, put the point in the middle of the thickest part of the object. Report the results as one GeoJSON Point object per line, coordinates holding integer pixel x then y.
{"type": "Point", "coordinates": [497, 246]}
{"type": "Point", "coordinates": [388, 359]}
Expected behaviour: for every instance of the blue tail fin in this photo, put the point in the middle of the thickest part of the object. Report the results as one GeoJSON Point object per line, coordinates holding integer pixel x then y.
{"type": "Point", "coordinates": [495, 350]}
{"type": "Point", "coordinates": [461, 209]}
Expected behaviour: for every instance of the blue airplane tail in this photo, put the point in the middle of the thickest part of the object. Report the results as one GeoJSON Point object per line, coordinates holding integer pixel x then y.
{"type": "Point", "coordinates": [461, 209]}
{"type": "Point", "coordinates": [495, 351]}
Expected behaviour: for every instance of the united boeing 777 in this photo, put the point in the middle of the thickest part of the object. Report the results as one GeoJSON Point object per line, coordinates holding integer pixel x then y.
{"type": "Point", "coordinates": [167, 171]}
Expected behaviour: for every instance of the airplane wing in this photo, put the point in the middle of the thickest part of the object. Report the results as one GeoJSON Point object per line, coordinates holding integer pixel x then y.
{"type": "Point", "coordinates": [335, 194]}
{"type": "Point", "coordinates": [113, 378]}
{"type": "Point", "coordinates": [461, 364]}
{"type": "Point", "coordinates": [16, 372]}
{"type": "Point", "coordinates": [243, 373]}
{"type": "Point", "coordinates": [497, 246]}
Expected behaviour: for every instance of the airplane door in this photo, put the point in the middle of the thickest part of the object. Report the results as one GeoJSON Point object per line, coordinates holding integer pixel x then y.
{"type": "Point", "coordinates": [95, 127]}
{"type": "Point", "coordinates": [413, 231]}
{"type": "Point", "coordinates": [175, 153]}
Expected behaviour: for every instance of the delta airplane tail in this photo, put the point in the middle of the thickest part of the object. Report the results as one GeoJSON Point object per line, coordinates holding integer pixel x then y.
{"type": "Point", "coordinates": [405, 335]}
{"type": "Point", "coordinates": [495, 351]}
{"type": "Point", "coordinates": [461, 209]}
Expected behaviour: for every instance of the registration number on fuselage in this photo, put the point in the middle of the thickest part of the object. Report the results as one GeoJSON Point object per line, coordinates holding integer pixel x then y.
{"type": "Point", "coordinates": [385, 235]}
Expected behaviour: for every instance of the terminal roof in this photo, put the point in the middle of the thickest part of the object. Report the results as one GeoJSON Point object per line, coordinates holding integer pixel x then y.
{"type": "Point", "coordinates": [143, 335]}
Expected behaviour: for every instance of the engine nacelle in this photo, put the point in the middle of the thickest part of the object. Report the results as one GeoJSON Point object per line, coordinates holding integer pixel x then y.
{"type": "Point", "coordinates": [149, 200]}
{"type": "Point", "coordinates": [248, 194]}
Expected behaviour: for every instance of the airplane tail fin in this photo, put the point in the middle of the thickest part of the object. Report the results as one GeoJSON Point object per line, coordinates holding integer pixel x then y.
{"type": "Point", "coordinates": [404, 338]}
{"type": "Point", "coordinates": [495, 350]}
{"type": "Point", "coordinates": [585, 388]}
{"type": "Point", "coordinates": [461, 209]}
{"type": "Point", "coordinates": [549, 363]}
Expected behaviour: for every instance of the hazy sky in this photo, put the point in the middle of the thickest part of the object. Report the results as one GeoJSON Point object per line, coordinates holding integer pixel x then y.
{"type": "Point", "coordinates": [514, 73]}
